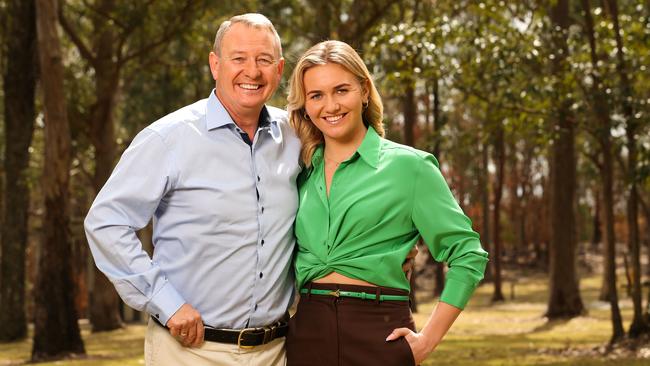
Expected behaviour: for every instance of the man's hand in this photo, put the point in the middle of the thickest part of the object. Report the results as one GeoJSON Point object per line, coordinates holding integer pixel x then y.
{"type": "Point", "coordinates": [186, 325]}
{"type": "Point", "coordinates": [409, 263]}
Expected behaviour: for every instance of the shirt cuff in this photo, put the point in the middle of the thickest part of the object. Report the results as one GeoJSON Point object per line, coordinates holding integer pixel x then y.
{"type": "Point", "coordinates": [457, 293]}
{"type": "Point", "coordinates": [165, 303]}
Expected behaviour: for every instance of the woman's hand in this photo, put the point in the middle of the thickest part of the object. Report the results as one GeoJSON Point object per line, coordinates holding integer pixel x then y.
{"type": "Point", "coordinates": [417, 341]}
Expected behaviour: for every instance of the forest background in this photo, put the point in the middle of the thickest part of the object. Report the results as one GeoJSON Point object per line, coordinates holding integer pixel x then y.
{"type": "Point", "coordinates": [539, 112]}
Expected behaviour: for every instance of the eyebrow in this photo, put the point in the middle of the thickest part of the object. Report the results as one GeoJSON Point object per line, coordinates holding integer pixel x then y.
{"type": "Point", "coordinates": [335, 87]}
{"type": "Point", "coordinates": [235, 53]}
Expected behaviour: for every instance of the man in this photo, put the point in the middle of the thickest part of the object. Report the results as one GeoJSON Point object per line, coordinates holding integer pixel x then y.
{"type": "Point", "coordinates": [218, 178]}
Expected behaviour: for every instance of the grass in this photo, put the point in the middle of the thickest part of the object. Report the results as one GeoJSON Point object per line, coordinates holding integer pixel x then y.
{"type": "Point", "coordinates": [516, 333]}
{"type": "Point", "coordinates": [507, 334]}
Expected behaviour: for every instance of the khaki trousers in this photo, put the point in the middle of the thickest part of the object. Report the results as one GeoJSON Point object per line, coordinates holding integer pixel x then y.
{"type": "Point", "coordinates": [161, 349]}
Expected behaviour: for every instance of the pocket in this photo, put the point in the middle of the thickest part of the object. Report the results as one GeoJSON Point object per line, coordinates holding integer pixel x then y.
{"type": "Point", "coordinates": [407, 352]}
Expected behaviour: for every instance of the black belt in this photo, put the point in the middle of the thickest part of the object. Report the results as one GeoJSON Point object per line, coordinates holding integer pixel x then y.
{"type": "Point", "coordinates": [244, 338]}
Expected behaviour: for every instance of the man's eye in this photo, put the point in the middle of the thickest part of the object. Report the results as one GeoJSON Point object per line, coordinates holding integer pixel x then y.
{"type": "Point", "coordinates": [238, 60]}
{"type": "Point", "coordinates": [264, 61]}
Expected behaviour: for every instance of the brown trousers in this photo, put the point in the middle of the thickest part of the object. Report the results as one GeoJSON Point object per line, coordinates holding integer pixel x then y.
{"type": "Point", "coordinates": [331, 331]}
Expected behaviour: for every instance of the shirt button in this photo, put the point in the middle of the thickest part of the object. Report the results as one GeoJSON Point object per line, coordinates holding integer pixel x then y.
{"type": "Point", "coordinates": [262, 209]}
{"type": "Point", "coordinates": [258, 178]}
{"type": "Point", "coordinates": [261, 274]}
{"type": "Point", "coordinates": [262, 241]}
{"type": "Point", "coordinates": [157, 316]}
{"type": "Point", "coordinates": [255, 306]}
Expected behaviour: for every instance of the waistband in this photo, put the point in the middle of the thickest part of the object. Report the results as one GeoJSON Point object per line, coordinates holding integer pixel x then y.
{"type": "Point", "coordinates": [376, 294]}
{"type": "Point", "coordinates": [244, 338]}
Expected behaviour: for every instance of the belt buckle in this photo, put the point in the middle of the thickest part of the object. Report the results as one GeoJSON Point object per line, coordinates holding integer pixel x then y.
{"type": "Point", "coordinates": [239, 338]}
{"type": "Point", "coordinates": [336, 293]}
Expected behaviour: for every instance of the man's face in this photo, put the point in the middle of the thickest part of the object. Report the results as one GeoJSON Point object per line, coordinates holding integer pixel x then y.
{"type": "Point", "coordinates": [248, 71]}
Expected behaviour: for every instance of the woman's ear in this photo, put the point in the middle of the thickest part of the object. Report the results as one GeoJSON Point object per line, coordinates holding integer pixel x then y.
{"type": "Point", "coordinates": [365, 90]}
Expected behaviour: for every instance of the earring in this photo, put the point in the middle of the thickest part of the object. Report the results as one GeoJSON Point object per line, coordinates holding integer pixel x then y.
{"type": "Point", "coordinates": [365, 105]}
{"type": "Point", "coordinates": [305, 116]}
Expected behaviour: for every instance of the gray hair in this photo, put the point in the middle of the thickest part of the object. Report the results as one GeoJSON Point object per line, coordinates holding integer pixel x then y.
{"type": "Point", "coordinates": [254, 20]}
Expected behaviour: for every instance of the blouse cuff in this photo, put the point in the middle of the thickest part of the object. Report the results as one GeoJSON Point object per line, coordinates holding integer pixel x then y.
{"type": "Point", "coordinates": [457, 293]}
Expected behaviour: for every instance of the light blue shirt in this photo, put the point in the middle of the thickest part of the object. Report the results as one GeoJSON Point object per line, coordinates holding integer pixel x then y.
{"type": "Point", "coordinates": [217, 246]}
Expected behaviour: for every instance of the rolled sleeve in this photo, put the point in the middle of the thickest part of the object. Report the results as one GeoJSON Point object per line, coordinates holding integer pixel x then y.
{"type": "Point", "coordinates": [125, 204]}
{"type": "Point", "coordinates": [448, 233]}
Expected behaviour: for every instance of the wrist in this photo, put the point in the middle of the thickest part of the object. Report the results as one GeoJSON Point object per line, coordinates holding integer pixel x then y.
{"type": "Point", "coordinates": [430, 342]}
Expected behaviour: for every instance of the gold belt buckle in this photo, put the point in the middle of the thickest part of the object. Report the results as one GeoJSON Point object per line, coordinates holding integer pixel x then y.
{"type": "Point", "coordinates": [336, 293]}
{"type": "Point", "coordinates": [239, 339]}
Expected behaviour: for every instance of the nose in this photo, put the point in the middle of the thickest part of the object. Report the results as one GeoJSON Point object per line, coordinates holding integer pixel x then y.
{"type": "Point", "coordinates": [251, 69]}
{"type": "Point", "coordinates": [332, 105]}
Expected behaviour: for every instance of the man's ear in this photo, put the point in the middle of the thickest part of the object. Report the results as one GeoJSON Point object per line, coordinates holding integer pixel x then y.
{"type": "Point", "coordinates": [280, 66]}
{"type": "Point", "coordinates": [213, 60]}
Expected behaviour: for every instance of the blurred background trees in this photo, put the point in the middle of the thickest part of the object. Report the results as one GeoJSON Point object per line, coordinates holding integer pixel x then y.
{"type": "Point", "coordinates": [538, 111]}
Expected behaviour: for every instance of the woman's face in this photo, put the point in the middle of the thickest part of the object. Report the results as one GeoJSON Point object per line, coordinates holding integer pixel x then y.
{"type": "Point", "coordinates": [334, 102]}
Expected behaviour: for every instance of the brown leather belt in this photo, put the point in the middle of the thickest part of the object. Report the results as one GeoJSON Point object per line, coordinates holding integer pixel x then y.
{"type": "Point", "coordinates": [244, 338]}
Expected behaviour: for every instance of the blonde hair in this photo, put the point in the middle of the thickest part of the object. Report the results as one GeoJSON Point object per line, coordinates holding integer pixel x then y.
{"type": "Point", "coordinates": [325, 52]}
{"type": "Point", "coordinates": [253, 20]}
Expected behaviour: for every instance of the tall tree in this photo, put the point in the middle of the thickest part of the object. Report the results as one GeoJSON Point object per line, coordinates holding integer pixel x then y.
{"type": "Point", "coordinates": [499, 158]}
{"type": "Point", "coordinates": [56, 330]}
{"type": "Point", "coordinates": [19, 88]}
{"type": "Point", "coordinates": [564, 299]}
{"type": "Point", "coordinates": [112, 40]}
{"type": "Point", "coordinates": [639, 324]}
{"type": "Point", "coordinates": [600, 107]}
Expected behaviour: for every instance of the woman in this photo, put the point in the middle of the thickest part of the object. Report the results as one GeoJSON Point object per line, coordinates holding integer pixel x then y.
{"type": "Point", "coordinates": [364, 203]}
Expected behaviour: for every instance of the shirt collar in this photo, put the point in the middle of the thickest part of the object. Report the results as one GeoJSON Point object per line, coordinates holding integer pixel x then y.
{"type": "Point", "coordinates": [217, 115]}
{"type": "Point", "coordinates": [368, 150]}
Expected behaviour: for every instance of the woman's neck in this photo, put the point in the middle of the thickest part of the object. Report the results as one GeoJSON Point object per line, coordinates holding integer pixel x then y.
{"type": "Point", "coordinates": [339, 151]}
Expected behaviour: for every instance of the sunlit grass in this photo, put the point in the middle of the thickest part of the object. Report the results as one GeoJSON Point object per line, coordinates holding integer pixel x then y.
{"type": "Point", "coordinates": [516, 333]}
{"type": "Point", "coordinates": [513, 333]}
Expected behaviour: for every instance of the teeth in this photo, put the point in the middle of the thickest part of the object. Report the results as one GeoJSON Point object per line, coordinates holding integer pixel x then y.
{"type": "Point", "coordinates": [249, 86]}
{"type": "Point", "coordinates": [334, 118]}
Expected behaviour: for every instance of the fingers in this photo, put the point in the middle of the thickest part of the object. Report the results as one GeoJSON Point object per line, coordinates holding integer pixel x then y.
{"type": "Point", "coordinates": [397, 333]}
{"type": "Point", "coordinates": [174, 331]}
{"type": "Point", "coordinates": [191, 335]}
{"type": "Point", "coordinates": [199, 334]}
{"type": "Point", "coordinates": [184, 325]}
{"type": "Point", "coordinates": [408, 265]}
{"type": "Point", "coordinates": [413, 252]}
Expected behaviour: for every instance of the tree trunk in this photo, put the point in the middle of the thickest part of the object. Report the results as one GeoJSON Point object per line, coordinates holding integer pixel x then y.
{"type": "Point", "coordinates": [485, 206]}
{"type": "Point", "coordinates": [600, 107]}
{"type": "Point", "coordinates": [56, 331]}
{"type": "Point", "coordinates": [639, 325]}
{"type": "Point", "coordinates": [597, 234]}
{"type": "Point", "coordinates": [19, 89]}
{"type": "Point", "coordinates": [409, 113]}
{"type": "Point", "coordinates": [646, 213]}
{"type": "Point", "coordinates": [564, 298]}
{"type": "Point", "coordinates": [438, 268]}
{"type": "Point", "coordinates": [104, 301]}
{"type": "Point", "coordinates": [499, 152]}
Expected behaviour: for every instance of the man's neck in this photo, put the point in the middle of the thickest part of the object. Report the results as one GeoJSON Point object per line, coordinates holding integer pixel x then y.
{"type": "Point", "coordinates": [247, 119]}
